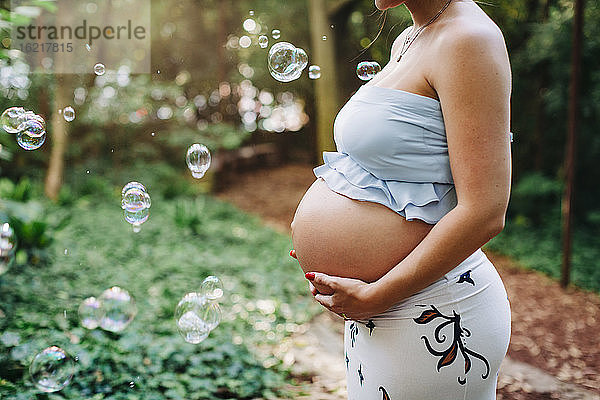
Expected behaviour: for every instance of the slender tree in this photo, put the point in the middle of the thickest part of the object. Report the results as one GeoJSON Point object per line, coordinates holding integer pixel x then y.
{"type": "Point", "coordinates": [326, 87]}
{"type": "Point", "coordinates": [571, 148]}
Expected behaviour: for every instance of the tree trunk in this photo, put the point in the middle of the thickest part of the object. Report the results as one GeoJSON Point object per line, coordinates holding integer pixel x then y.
{"type": "Point", "coordinates": [58, 135]}
{"type": "Point", "coordinates": [326, 87]}
{"type": "Point", "coordinates": [572, 140]}
{"type": "Point", "coordinates": [540, 127]}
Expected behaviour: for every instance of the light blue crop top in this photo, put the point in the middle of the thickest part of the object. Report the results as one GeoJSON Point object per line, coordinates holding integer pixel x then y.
{"type": "Point", "coordinates": [392, 149]}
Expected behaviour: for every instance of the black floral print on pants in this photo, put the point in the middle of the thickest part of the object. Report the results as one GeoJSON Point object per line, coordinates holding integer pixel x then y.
{"type": "Point", "coordinates": [448, 356]}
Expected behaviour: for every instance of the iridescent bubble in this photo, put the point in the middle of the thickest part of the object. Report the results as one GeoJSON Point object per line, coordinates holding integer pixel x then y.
{"type": "Point", "coordinates": [136, 218]}
{"type": "Point", "coordinates": [263, 41]}
{"type": "Point", "coordinates": [198, 160]}
{"type": "Point", "coordinates": [117, 309]}
{"type": "Point", "coordinates": [131, 185]}
{"type": "Point", "coordinates": [88, 47]}
{"type": "Point", "coordinates": [10, 119]}
{"type": "Point", "coordinates": [196, 316]}
{"type": "Point", "coordinates": [366, 70]}
{"type": "Point", "coordinates": [135, 199]}
{"type": "Point", "coordinates": [283, 63]}
{"type": "Point", "coordinates": [69, 114]}
{"type": "Point", "coordinates": [276, 33]}
{"type": "Point", "coordinates": [33, 128]}
{"type": "Point", "coordinates": [314, 72]}
{"type": "Point", "coordinates": [189, 319]}
{"type": "Point", "coordinates": [249, 25]}
{"type": "Point", "coordinates": [30, 115]}
{"type": "Point", "coordinates": [7, 240]}
{"type": "Point", "coordinates": [99, 69]}
{"type": "Point", "coordinates": [301, 58]}
{"type": "Point", "coordinates": [90, 312]}
{"type": "Point", "coordinates": [29, 142]}
{"type": "Point", "coordinates": [212, 314]}
{"type": "Point", "coordinates": [212, 288]}
{"type": "Point", "coordinates": [324, 37]}
{"type": "Point", "coordinates": [52, 369]}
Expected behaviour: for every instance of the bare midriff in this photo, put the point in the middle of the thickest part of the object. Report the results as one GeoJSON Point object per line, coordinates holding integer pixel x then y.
{"type": "Point", "coordinates": [349, 238]}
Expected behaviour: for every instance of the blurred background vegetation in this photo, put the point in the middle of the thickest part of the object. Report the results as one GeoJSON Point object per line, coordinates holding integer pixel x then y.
{"type": "Point", "coordinates": [205, 87]}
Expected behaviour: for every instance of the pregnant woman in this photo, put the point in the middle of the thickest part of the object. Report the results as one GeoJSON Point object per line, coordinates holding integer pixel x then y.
{"type": "Point", "coordinates": [390, 233]}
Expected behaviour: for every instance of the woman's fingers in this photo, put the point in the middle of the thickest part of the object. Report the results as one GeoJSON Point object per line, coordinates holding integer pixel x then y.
{"type": "Point", "coordinates": [320, 279]}
{"type": "Point", "coordinates": [312, 288]}
{"type": "Point", "coordinates": [326, 301]}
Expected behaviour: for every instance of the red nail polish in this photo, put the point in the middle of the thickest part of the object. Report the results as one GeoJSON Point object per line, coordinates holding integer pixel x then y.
{"type": "Point", "coordinates": [310, 276]}
{"type": "Point", "coordinates": [292, 253]}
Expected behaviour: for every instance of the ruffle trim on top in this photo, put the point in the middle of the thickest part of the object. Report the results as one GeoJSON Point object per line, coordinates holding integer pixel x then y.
{"type": "Point", "coordinates": [428, 202]}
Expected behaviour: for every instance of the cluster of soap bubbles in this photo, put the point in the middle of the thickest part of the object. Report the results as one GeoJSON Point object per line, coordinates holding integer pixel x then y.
{"type": "Point", "coordinates": [135, 202]}
{"type": "Point", "coordinates": [29, 127]}
{"type": "Point", "coordinates": [52, 369]}
{"type": "Point", "coordinates": [7, 246]}
{"type": "Point", "coordinates": [197, 314]}
{"type": "Point", "coordinates": [366, 70]}
{"type": "Point", "coordinates": [286, 61]}
{"type": "Point", "coordinates": [198, 160]}
{"type": "Point", "coordinates": [112, 311]}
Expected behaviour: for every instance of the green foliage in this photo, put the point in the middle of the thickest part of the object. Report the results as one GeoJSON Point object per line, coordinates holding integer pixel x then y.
{"type": "Point", "coordinates": [535, 197]}
{"type": "Point", "coordinates": [32, 228]}
{"type": "Point", "coordinates": [537, 246]}
{"type": "Point", "coordinates": [184, 241]}
{"type": "Point", "coordinates": [21, 191]}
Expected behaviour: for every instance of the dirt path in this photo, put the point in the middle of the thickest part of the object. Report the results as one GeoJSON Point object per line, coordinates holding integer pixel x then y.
{"type": "Point", "coordinates": [554, 351]}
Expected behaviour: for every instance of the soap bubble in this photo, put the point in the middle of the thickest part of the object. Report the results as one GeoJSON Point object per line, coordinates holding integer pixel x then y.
{"type": "Point", "coordinates": [263, 41]}
{"type": "Point", "coordinates": [136, 218]}
{"type": "Point", "coordinates": [131, 185]}
{"type": "Point", "coordinates": [7, 240]}
{"type": "Point", "coordinates": [366, 70]}
{"type": "Point", "coordinates": [189, 318]}
{"type": "Point", "coordinates": [324, 37]}
{"type": "Point", "coordinates": [28, 116]}
{"type": "Point", "coordinates": [136, 203]}
{"type": "Point", "coordinates": [314, 72]}
{"type": "Point", "coordinates": [29, 142]}
{"type": "Point", "coordinates": [212, 288]}
{"type": "Point", "coordinates": [198, 160]}
{"type": "Point", "coordinates": [33, 128]}
{"type": "Point", "coordinates": [212, 314]}
{"type": "Point", "coordinates": [99, 69]}
{"type": "Point", "coordinates": [10, 119]}
{"type": "Point", "coordinates": [69, 114]}
{"type": "Point", "coordinates": [52, 369]}
{"type": "Point", "coordinates": [117, 309]}
{"type": "Point", "coordinates": [301, 58]}
{"type": "Point", "coordinates": [135, 199]}
{"type": "Point", "coordinates": [276, 33]}
{"type": "Point", "coordinates": [284, 64]}
{"type": "Point", "coordinates": [90, 312]}
{"type": "Point", "coordinates": [249, 25]}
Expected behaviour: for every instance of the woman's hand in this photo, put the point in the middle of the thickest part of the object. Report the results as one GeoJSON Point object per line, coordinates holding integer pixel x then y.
{"type": "Point", "coordinates": [349, 298]}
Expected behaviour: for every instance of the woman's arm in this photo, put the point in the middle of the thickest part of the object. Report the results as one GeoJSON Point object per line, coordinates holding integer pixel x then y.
{"type": "Point", "coordinates": [472, 79]}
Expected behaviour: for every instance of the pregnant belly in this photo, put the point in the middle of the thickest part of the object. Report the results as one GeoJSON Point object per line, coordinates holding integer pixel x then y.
{"type": "Point", "coordinates": [339, 236]}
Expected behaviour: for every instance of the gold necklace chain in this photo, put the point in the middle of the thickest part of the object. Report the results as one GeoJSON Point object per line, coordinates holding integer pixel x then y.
{"type": "Point", "coordinates": [409, 40]}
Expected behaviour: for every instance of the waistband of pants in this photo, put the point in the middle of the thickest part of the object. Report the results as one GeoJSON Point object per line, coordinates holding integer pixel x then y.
{"type": "Point", "coordinates": [405, 308]}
